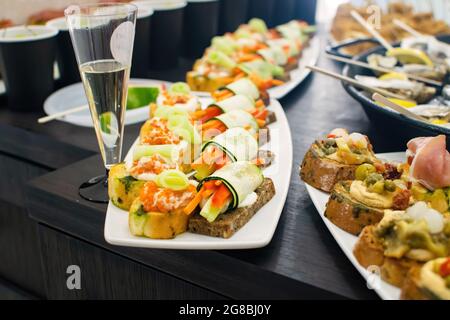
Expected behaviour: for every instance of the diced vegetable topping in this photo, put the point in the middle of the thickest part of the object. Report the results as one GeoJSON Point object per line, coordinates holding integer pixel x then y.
{"type": "Point", "coordinates": [173, 179]}
{"type": "Point", "coordinates": [221, 59]}
{"type": "Point", "coordinates": [157, 199]}
{"type": "Point", "coordinates": [258, 25]}
{"type": "Point", "coordinates": [224, 44]}
{"type": "Point", "coordinates": [180, 88]}
{"type": "Point", "coordinates": [444, 270]}
{"type": "Point", "coordinates": [262, 69]}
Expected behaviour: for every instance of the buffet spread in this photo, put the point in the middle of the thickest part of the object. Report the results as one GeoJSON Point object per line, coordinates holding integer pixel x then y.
{"type": "Point", "coordinates": [211, 166]}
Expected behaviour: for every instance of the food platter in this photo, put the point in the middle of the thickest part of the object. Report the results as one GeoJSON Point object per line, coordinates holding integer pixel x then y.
{"type": "Point", "coordinates": [73, 96]}
{"type": "Point", "coordinates": [256, 233]}
{"type": "Point", "coordinates": [346, 241]}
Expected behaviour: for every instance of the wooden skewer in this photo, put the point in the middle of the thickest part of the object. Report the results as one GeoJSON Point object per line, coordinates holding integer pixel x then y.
{"type": "Point", "coordinates": [62, 114]}
{"type": "Point", "coordinates": [356, 83]}
{"type": "Point", "coordinates": [384, 70]}
{"type": "Point", "coordinates": [412, 31]}
{"type": "Point", "coordinates": [407, 28]}
{"type": "Point", "coordinates": [383, 100]}
{"type": "Point", "coordinates": [371, 30]}
{"type": "Point", "coordinates": [70, 111]}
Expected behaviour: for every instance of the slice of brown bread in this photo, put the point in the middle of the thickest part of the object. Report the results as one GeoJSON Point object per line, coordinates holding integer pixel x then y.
{"type": "Point", "coordinates": [395, 271]}
{"type": "Point", "coordinates": [323, 173]}
{"type": "Point", "coordinates": [369, 252]}
{"type": "Point", "coordinates": [349, 214]}
{"type": "Point", "coordinates": [229, 223]}
{"type": "Point", "coordinates": [411, 289]}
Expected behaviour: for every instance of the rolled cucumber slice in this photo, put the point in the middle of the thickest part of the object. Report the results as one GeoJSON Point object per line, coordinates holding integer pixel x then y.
{"type": "Point", "coordinates": [244, 87]}
{"type": "Point", "coordinates": [164, 112]}
{"type": "Point", "coordinates": [237, 143]}
{"type": "Point", "coordinates": [274, 55]}
{"type": "Point", "coordinates": [210, 213]}
{"type": "Point", "coordinates": [241, 178]}
{"type": "Point", "coordinates": [221, 59]}
{"type": "Point", "coordinates": [237, 102]}
{"type": "Point", "coordinates": [239, 118]}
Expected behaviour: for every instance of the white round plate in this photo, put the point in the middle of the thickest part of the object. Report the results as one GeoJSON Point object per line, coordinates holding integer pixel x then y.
{"type": "Point", "coordinates": [73, 96]}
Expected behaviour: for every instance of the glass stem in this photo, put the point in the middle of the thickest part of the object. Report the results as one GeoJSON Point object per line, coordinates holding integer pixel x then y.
{"type": "Point", "coordinates": [105, 183]}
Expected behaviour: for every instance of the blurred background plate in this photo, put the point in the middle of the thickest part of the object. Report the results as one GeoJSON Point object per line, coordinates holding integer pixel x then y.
{"type": "Point", "coordinates": [73, 96]}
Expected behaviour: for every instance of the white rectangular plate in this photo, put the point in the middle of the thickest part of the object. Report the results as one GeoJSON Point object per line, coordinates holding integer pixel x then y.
{"type": "Point", "coordinates": [347, 241]}
{"type": "Point", "coordinates": [255, 234]}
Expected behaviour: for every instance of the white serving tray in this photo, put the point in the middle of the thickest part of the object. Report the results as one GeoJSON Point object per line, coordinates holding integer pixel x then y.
{"type": "Point", "coordinates": [257, 233]}
{"type": "Point", "coordinates": [347, 241]}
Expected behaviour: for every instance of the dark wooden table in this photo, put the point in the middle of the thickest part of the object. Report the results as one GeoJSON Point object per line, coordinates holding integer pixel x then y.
{"type": "Point", "coordinates": [302, 260]}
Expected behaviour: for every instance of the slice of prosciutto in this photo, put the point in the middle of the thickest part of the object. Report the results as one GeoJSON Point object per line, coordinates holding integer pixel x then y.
{"type": "Point", "coordinates": [430, 162]}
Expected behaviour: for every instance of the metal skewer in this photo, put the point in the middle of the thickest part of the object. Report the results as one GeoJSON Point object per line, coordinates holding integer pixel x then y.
{"type": "Point", "coordinates": [62, 114]}
{"type": "Point", "coordinates": [371, 30]}
{"type": "Point", "coordinates": [407, 28]}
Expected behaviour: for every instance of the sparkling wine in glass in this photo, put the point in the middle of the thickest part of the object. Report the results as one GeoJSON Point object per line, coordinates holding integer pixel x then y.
{"type": "Point", "coordinates": [102, 36]}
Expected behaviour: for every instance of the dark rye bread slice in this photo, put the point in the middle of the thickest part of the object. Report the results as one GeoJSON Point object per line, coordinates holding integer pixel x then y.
{"type": "Point", "coordinates": [271, 117]}
{"type": "Point", "coordinates": [369, 251]}
{"type": "Point", "coordinates": [349, 214]}
{"type": "Point", "coordinates": [229, 223]}
{"type": "Point", "coordinates": [323, 173]}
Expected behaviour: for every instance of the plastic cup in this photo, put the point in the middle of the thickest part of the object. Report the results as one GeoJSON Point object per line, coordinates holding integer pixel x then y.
{"type": "Point", "coordinates": [262, 9]}
{"type": "Point", "coordinates": [141, 52]}
{"type": "Point", "coordinates": [201, 24]}
{"type": "Point", "coordinates": [283, 11]}
{"type": "Point", "coordinates": [65, 56]}
{"type": "Point", "coordinates": [27, 56]}
{"type": "Point", "coordinates": [233, 13]}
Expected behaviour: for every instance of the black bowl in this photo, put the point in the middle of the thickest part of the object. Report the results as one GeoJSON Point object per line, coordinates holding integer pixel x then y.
{"type": "Point", "coordinates": [391, 122]}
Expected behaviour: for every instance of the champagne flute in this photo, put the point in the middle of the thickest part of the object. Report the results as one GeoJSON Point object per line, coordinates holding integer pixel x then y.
{"type": "Point", "coordinates": [103, 36]}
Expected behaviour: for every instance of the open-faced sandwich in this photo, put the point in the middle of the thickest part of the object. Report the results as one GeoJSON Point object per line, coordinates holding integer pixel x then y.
{"type": "Point", "coordinates": [185, 175]}
{"type": "Point", "coordinates": [235, 144]}
{"type": "Point", "coordinates": [361, 202]}
{"type": "Point", "coordinates": [229, 198]}
{"type": "Point", "coordinates": [430, 281]}
{"type": "Point", "coordinates": [244, 87]}
{"type": "Point", "coordinates": [403, 240]}
{"type": "Point", "coordinates": [336, 158]}
{"type": "Point", "coordinates": [354, 204]}
{"type": "Point", "coordinates": [178, 95]}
